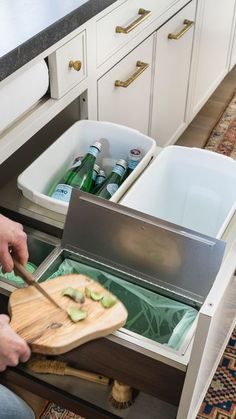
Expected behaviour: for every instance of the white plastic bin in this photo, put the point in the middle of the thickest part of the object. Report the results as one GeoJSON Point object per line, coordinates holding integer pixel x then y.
{"type": "Point", "coordinates": [48, 168]}
{"type": "Point", "coordinates": [191, 187]}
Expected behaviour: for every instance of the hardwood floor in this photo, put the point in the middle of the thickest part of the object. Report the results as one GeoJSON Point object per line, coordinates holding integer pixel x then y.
{"type": "Point", "coordinates": [200, 128]}
{"type": "Point", "coordinates": [194, 136]}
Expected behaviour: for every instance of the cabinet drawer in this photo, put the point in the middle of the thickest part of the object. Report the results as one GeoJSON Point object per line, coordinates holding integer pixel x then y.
{"type": "Point", "coordinates": [120, 25]}
{"type": "Point", "coordinates": [68, 66]}
{"type": "Point", "coordinates": [172, 67]}
{"type": "Point", "coordinates": [128, 105]}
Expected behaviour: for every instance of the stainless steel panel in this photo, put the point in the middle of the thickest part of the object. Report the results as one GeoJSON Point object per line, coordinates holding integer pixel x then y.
{"type": "Point", "coordinates": [158, 255]}
{"type": "Point", "coordinates": [40, 246]}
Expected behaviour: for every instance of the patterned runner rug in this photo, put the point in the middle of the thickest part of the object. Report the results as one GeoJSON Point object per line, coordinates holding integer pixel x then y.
{"type": "Point", "coordinates": [223, 136]}
{"type": "Point", "coordinates": [220, 400]}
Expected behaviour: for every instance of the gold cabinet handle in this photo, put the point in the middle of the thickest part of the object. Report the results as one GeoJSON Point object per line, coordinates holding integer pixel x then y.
{"type": "Point", "coordinates": [76, 65]}
{"type": "Point", "coordinates": [141, 68]}
{"type": "Point", "coordinates": [188, 24]}
{"type": "Point", "coordinates": [143, 15]}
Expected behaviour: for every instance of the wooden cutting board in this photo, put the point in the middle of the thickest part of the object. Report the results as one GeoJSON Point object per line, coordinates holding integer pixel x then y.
{"type": "Point", "coordinates": [49, 330]}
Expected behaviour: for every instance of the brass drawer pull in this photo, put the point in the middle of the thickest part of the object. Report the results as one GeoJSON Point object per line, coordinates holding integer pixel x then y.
{"type": "Point", "coordinates": [143, 15]}
{"type": "Point", "coordinates": [76, 65]}
{"type": "Point", "coordinates": [176, 36]}
{"type": "Point", "coordinates": [141, 68]}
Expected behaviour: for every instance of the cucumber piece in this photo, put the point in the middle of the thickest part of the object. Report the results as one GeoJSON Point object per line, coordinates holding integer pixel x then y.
{"type": "Point", "coordinates": [76, 314]}
{"type": "Point", "coordinates": [108, 300]}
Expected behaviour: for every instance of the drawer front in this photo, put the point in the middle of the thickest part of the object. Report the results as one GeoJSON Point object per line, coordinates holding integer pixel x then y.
{"type": "Point", "coordinates": [120, 25]}
{"type": "Point", "coordinates": [128, 105]}
{"type": "Point", "coordinates": [68, 66]}
{"type": "Point", "coordinates": [172, 67]}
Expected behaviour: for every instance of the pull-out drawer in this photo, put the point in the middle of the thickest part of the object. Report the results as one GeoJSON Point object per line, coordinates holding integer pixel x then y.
{"type": "Point", "coordinates": [129, 247]}
{"type": "Point", "coordinates": [119, 26]}
{"type": "Point", "coordinates": [68, 66]}
{"type": "Point", "coordinates": [146, 251]}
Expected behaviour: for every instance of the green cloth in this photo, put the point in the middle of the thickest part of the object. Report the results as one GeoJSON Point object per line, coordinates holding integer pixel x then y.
{"type": "Point", "coordinates": [15, 279]}
{"type": "Point", "coordinates": [149, 314]}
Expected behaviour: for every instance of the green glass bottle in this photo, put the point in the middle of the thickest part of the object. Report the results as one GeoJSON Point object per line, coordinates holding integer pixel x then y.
{"type": "Point", "coordinates": [67, 176]}
{"type": "Point", "coordinates": [135, 156]}
{"type": "Point", "coordinates": [100, 179]}
{"type": "Point", "coordinates": [80, 178]}
{"type": "Point", "coordinates": [113, 181]}
{"type": "Point", "coordinates": [94, 176]}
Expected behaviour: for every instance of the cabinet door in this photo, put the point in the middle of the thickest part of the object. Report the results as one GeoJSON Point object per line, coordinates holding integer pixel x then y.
{"type": "Point", "coordinates": [233, 50]}
{"type": "Point", "coordinates": [124, 92]}
{"type": "Point", "coordinates": [211, 49]}
{"type": "Point", "coordinates": [172, 66]}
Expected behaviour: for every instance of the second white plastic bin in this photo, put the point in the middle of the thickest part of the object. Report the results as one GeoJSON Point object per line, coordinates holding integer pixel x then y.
{"type": "Point", "coordinates": [191, 187]}
{"type": "Point", "coordinates": [47, 169]}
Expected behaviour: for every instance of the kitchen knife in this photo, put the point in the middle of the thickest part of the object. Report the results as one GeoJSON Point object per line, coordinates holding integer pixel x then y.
{"type": "Point", "coordinates": [30, 280]}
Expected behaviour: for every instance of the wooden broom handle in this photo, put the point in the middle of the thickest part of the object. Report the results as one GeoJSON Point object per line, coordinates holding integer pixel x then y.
{"type": "Point", "coordinates": [90, 376]}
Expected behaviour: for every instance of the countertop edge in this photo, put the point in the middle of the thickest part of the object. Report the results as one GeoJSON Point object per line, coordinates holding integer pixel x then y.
{"type": "Point", "coordinates": [34, 46]}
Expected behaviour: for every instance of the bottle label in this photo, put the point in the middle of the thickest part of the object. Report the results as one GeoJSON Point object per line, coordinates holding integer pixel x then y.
{"type": "Point", "coordinates": [132, 164]}
{"type": "Point", "coordinates": [62, 192]}
{"type": "Point", "coordinates": [112, 188]}
{"type": "Point", "coordinates": [93, 150]}
{"type": "Point", "coordinates": [119, 170]}
{"type": "Point", "coordinates": [99, 179]}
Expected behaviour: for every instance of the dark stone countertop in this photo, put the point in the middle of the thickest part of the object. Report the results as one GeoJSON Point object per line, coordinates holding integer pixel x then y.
{"type": "Point", "coordinates": [29, 27]}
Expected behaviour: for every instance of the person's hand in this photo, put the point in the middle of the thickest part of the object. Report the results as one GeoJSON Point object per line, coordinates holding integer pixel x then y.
{"type": "Point", "coordinates": [12, 239]}
{"type": "Point", "coordinates": [13, 349]}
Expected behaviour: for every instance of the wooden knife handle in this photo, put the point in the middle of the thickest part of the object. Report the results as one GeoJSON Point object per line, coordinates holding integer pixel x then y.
{"type": "Point", "coordinates": [23, 273]}
{"type": "Point", "coordinates": [90, 376]}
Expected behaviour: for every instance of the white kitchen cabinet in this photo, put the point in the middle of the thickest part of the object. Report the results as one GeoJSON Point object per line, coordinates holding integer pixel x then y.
{"type": "Point", "coordinates": [172, 66]}
{"type": "Point", "coordinates": [131, 105]}
{"type": "Point", "coordinates": [214, 27]}
{"type": "Point", "coordinates": [163, 100]}
{"type": "Point", "coordinates": [233, 50]}
{"type": "Point", "coordinates": [124, 91]}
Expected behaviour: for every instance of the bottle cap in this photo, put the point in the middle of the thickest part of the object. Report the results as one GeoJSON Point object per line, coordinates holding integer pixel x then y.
{"type": "Point", "coordinates": [100, 177]}
{"type": "Point", "coordinates": [135, 154]}
{"type": "Point", "coordinates": [122, 163]}
{"type": "Point", "coordinates": [101, 173]}
{"type": "Point", "coordinates": [98, 145]}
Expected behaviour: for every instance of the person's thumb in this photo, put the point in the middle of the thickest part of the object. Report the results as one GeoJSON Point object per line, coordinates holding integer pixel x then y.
{"type": "Point", "coordinates": [25, 354]}
{"type": "Point", "coordinates": [4, 318]}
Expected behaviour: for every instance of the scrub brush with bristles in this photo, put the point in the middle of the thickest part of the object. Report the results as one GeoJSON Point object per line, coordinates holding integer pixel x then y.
{"type": "Point", "coordinates": [121, 395]}
{"type": "Point", "coordinates": [46, 366]}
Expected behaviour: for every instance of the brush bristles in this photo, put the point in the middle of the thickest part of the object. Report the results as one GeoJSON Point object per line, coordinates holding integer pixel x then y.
{"type": "Point", "coordinates": [120, 405]}
{"type": "Point", "coordinates": [121, 396]}
{"type": "Point", "coordinates": [47, 366]}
